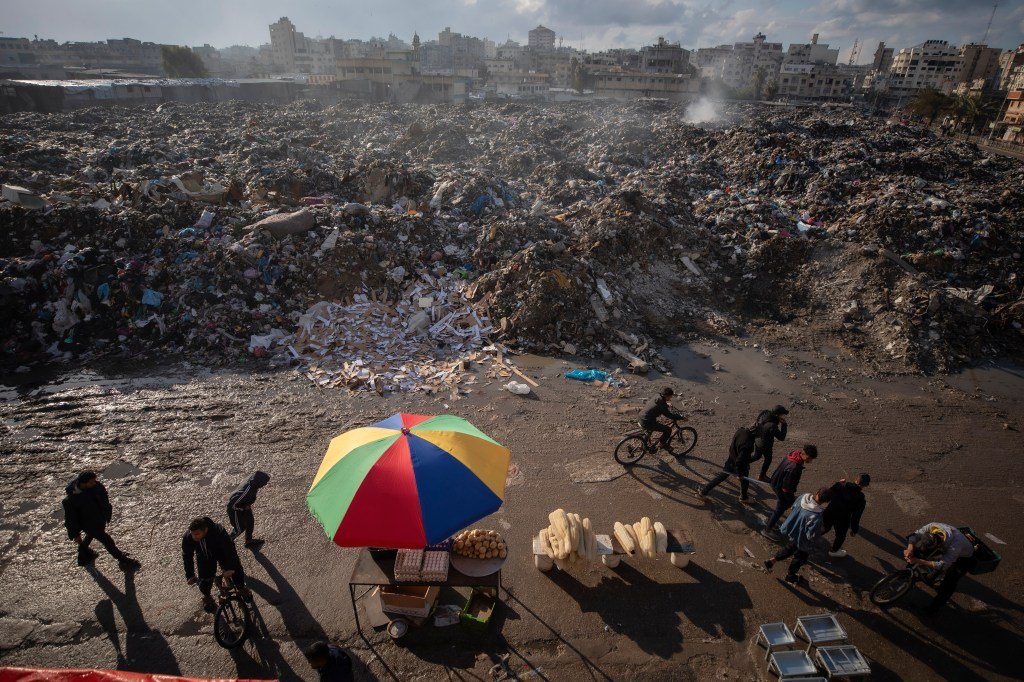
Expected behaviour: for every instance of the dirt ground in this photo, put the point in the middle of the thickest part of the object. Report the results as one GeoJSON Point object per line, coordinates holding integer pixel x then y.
{"type": "Point", "coordinates": [172, 442]}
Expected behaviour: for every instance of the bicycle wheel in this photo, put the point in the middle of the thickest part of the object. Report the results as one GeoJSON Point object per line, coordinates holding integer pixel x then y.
{"type": "Point", "coordinates": [231, 624]}
{"type": "Point", "coordinates": [684, 440]}
{"type": "Point", "coordinates": [892, 587]}
{"type": "Point", "coordinates": [630, 450]}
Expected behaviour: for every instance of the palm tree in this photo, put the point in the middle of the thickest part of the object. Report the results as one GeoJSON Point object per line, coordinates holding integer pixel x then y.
{"type": "Point", "coordinates": [974, 111]}
{"type": "Point", "coordinates": [929, 103]}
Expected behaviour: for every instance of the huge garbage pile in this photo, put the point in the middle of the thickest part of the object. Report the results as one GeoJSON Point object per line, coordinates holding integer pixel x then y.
{"type": "Point", "coordinates": [375, 246]}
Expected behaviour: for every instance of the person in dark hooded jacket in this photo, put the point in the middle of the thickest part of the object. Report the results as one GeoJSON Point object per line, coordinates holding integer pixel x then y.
{"type": "Point", "coordinates": [738, 464]}
{"type": "Point", "coordinates": [785, 480]}
{"type": "Point", "coordinates": [240, 508]}
{"type": "Point", "coordinates": [769, 427]}
{"type": "Point", "coordinates": [205, 546]}
{"type": "Point", "coordinates": [87, 511]}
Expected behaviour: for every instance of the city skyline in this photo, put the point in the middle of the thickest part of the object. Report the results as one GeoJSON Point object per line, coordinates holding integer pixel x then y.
{"type": "Point", "coordinates": [591, 25]}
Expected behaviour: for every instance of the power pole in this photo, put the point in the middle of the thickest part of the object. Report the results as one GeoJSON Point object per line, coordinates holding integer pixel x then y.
{"type": "Point", "coordinates": [995, 5]}
{"type": "Point", "coordinates": [854, 52]}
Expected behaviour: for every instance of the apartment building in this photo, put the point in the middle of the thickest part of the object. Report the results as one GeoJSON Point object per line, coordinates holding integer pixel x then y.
{"type": "Point", "coordinates": [664, 57]}
{"type": "Point", "coordinates": [541, 39]}
{"type": "Point", "coordinates": [627, 85]}
{"type": "Point", "coordinates": [932, 64]}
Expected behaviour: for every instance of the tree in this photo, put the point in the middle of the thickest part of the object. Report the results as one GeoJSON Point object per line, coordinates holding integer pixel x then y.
{"type": "Point", "coordinates": [772, 90]}
{"type": "Point", "coordinates": [578, 75]}
{"type": "Point", "coordinates": [760, 75]}
{"type": "Point", "coordinates": [181, 62]}
{"type": "Point", "coordinates": [975, 110]}
{"type": "Point", "coordinates": [929, 103]}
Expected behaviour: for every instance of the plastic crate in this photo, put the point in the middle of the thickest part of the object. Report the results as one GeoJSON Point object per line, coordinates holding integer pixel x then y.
{"type": "Point", "coordinates": [986, 559]}
{"type": "Point", "coordinates": [477, 612]}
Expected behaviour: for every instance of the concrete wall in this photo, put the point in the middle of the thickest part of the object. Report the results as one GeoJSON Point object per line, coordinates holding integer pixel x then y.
{"type": "Point", "coordinates": [26, 96]}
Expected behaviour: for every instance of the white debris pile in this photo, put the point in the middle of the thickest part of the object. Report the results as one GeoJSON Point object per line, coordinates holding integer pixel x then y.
{"type": "Point", "coordinates": [421, 342]}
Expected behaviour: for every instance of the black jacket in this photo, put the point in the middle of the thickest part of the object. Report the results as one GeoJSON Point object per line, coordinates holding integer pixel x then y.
{"type": "Point", "coordinates": [769, 428]}
{"type": "Point", "coordinates": [847, 505]}
{"type": "Point", "coordinates": [338, 668]}
{"type": "Point", "coordinates": [245, 495]}
{"type": "Point", "coordinates": [741, 449]}
{"type": "Point", "coordinates": [216, 548]}
{"type": "Point", "coordinates": [786, 476]}
{"type": "Point", "coordinates": [86, 510]}
{"type": "Point", "coordinates": [658, 408]}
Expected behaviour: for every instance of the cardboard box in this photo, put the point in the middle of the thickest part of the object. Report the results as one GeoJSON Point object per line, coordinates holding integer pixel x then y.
{"type": "Point", "coordinates": [408, 600]}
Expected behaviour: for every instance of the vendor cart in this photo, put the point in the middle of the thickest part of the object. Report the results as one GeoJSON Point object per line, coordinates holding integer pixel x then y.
{"type": "Point", "coordinates": [377, 569]}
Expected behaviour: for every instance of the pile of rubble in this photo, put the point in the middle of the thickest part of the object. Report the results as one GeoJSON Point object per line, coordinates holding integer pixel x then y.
{"type": "Point", "coordinates": [316, 236]}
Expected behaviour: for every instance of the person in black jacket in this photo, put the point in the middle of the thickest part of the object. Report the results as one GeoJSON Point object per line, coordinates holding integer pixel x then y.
{"type": "Point", "coordinates": [770, 426]}
{"type": "Point", "coordinates": [87, 511]}
{"type": "Point", "coordinates": [740, 450]}
{"type": "Point", "coordinates": [785, 480]}
{"type": "Point", "coordinates": [661, 407]}
{"type": "Point", "coordinates": [331, 663]}
{"type": "Point", "coordinates": [205, 546]}
{"type": "Point", "coordinates": [844, 512]}
{"type": "Point", "coordinates": [240, 508]}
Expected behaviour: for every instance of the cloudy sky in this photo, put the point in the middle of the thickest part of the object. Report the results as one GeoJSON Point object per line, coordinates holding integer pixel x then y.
{"type": "Point", "coordinates": [592, 24]}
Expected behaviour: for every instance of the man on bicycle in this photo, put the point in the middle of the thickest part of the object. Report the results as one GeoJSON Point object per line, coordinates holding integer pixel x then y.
{"type": "Point", "coordinates": [205, 546]}
{"type": "Point", "coordinates": [661, 407]}
{"type": "Point", "coordinates": [955, 557]}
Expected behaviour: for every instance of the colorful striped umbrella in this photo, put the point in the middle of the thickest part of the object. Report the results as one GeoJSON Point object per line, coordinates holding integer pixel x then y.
{"type": "Point", "coordinates": [407, 482]}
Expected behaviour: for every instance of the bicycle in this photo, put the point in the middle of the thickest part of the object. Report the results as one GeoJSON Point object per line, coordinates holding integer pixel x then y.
{"type": "Point", "coordinates": [232, 620]}
{"type": "Point", "coordinates": [893, 586]}
{"type": "Point", "coordinates": [638, 442]}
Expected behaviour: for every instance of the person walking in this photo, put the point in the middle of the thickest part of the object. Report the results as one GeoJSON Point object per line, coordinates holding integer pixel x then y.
{"type": "Point", "coordinates": [240, 508]}
{"type": "Point", "coordinates": [844, 512]}
{"type": "Point", "coordinates": [738, 464]}
{"type": "Point", "coordinates": [330, 662]}
{"type": "Point", "coordinates": [87, 511]}
{"type": "Point", "coordinates": [205, 546]}
{"type": "Point", "coordinates": [802, 529]}
{"type": "Point", "coordinates": [784, 482]}
{"type": "Point", "coordinates": [769, 426]}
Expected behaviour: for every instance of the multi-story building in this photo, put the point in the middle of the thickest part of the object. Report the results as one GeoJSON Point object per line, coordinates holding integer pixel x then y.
{"type": "Point", "coordinates": [710, 61]}
{"type": "Point", "coordinates": [738, 68]}
{"type": "Point", "coordinates": [16, 52]}
{"type": "Point", "coordinates": [979, 62]}
{"type": "Point", "coordinates": [1013, 118]}
{"type": "Point", "coordinates": [1011, 69]}
{"type": "Point", "coordinates": [811, 53]}
{"type": "Point", "coordinates": [932, 64]}
{"type": "Point", "coordinates": [810, 72]}
{"type": "Point", "coordinates": [883, 59]}
{"type": "Point", "coordinates": [293, 52]}
{"type": "Point", "coordinates": [635, 85]}
{"type": "Point", "coordinates": [664, 57]}
{"type": "Point", "coordinates": [452, 53]}
{"type": "Point", "coordinates": [125, 54]}
{"type": "Point", "coordinates": [626, 58]}
{"type": "Point", "coordinates": [286, 43]}
{"type": "Point", "coordinates": [541, 39]}
{"type": "Point", "coordinates": [518, 84]}
{"type": "Point", "coordinates": [556, 63]}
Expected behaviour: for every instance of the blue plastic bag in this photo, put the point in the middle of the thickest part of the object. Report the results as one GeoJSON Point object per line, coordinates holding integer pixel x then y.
{"type": "Point", "coordinates": [153, 298]}
{"type": "Point", "coordinates": [587, 375]}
